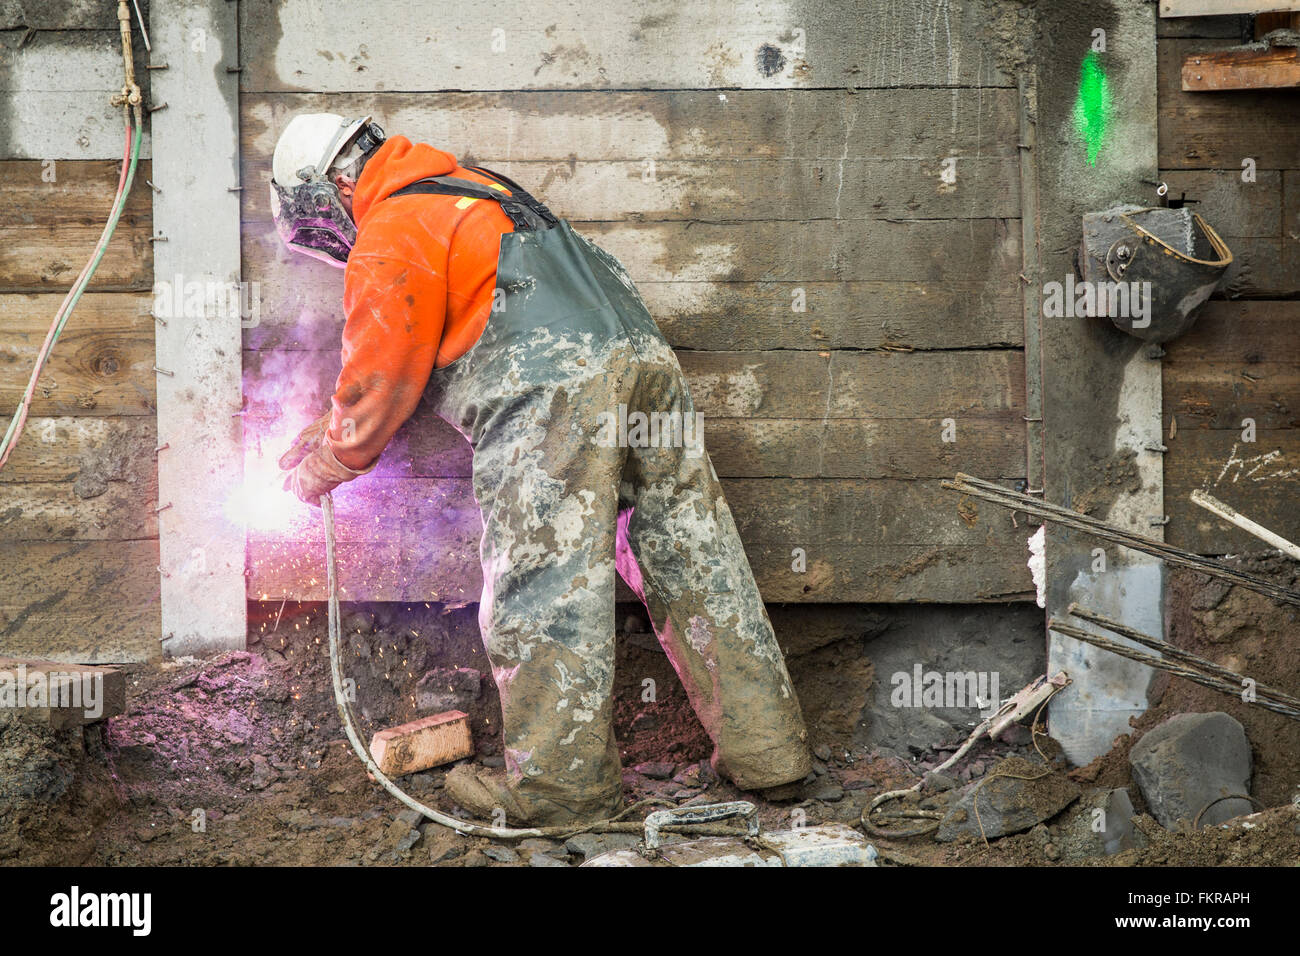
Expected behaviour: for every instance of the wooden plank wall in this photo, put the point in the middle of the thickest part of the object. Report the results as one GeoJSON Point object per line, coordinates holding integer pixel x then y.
{"type": "Point", "coordinates": [78, 534]}
{"type": "Point", "coordinates": [735, 161]}
{"type": "Point", "coordinates": [1242, 359]}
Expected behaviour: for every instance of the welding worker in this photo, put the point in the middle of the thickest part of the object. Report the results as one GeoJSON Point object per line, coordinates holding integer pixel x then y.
{"type": "Point", "coordinates": [462, 289]}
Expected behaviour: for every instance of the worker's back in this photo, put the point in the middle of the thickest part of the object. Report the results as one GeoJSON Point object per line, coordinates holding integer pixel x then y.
{"type": "Point", "coordinates": [457, 237]}
{"type": "Point", "coordinates": [418, 292]}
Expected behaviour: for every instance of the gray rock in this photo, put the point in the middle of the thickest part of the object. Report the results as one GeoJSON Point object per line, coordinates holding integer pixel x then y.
{"type": "Point", "coordinates": [536, 844]}
{"type": "Point", "coordinates": [448, 688]}
{"type": "Point", "coordinates": [655, 770]}
{"type": "Point", "coordinates": [263, 773]}
{"type": "Point", "coordinates": [1190, 760]}
{"type": "Point", "coordinates": [410, 817]}
{"type": "Point", "coordinates": [1008, 804]}
{"type": "Point", "coordinates": [1211, 595]}
{"type": "Point", "coordinates": [407, 841]}
{"type": "Point", "coordinates": [644, 722]}
{"type": "Point", "coordinates": [588, 845]}
{"type": "Point", "coordinates": [822, 752]}
{"type": "Point", "coordinates": [541, 859]}
{"type": "Point", "coordinates": [826, 789]}
{"type": "Point", "coordinates": [298, 820]}
{"type": "Point", "coordinates": [1100, 825]}
{"type": "Point", "coordinates": [690, 777]}
{"type": "Point", "coordinates": [502, 854]}
{"type": "Point", "coordinates": [938, 782]}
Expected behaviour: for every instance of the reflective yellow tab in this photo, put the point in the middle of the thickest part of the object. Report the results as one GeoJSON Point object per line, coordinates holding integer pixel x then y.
{"type": "Point", "coordinates": [465, 202]}
{"type": "Point", "coordinates": [497, 186]}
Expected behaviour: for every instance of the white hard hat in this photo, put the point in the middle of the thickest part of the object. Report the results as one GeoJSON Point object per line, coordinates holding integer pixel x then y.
{"type": "Point", "coordinates": [312, 139]}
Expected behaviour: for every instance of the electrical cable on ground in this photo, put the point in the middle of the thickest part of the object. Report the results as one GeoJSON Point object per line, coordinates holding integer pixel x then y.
{"type": "Point", "coordinates": [612, 825]}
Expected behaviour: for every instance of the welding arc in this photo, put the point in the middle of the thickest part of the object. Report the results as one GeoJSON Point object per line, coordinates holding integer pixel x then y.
{"type": "Point", "coordinates": [988, 491]}
{"type": "Point", "coordinates": [612, 825]}
{"type": "Point", "coordinates": [1195, 676]}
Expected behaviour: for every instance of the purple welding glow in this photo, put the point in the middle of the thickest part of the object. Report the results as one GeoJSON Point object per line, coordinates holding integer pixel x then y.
{"type": "Point", "coordinates": [261, 502]}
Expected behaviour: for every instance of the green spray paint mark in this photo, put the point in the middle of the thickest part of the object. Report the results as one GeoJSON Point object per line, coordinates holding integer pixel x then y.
{"type": "Point", "coordinates": [1092, 106]}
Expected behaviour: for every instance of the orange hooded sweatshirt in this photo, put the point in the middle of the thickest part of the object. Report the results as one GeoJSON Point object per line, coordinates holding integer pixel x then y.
{"type": "Point", "coordinates": [417, 292]}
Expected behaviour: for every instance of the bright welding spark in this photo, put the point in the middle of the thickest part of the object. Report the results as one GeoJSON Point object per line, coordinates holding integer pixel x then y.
{"type": "Point", "coordinates": [261, 502]}
{"type": "Point", "coordinates": [1092, 107]}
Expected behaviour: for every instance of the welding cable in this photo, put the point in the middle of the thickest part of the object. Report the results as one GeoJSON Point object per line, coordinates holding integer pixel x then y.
{"type": "Point", "coordinates": [130, 159]}
{"type": "Point", "coordinates": [612, 825]}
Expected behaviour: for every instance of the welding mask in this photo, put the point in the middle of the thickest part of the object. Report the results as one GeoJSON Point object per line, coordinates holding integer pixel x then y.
{"type": "Point", "coordinates": [308, 211]}
{"type": "Point", "coordinates": [1170, 260]}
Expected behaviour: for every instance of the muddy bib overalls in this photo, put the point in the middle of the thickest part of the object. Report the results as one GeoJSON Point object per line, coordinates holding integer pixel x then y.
{"type": "Point", "coordinates": [586, 459]}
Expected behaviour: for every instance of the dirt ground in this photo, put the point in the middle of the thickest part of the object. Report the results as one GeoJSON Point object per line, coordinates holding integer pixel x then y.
{"type": "Point", "coordinates": [241, 760]}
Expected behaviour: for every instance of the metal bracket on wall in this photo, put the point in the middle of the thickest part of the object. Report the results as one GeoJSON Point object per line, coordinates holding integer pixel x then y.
{"type": "Point", "coordinates": [1032, 296]}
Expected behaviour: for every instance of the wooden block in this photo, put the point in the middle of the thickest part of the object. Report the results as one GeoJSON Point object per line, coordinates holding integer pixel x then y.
{"type": "Point", "coordinates": [421, 744]}
{"type": "Point", "coordinates": [1218, 8]}
{"type": "Point", "coordinates": [1242, 69]}
{"type": "Point", "coordinates": [62, 695]}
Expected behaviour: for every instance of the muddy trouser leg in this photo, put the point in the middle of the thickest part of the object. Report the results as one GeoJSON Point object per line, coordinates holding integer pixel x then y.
{"type": "Point", "coordinates": [548, 494]}
{"type": "Point", "coordinates": [678, 549]}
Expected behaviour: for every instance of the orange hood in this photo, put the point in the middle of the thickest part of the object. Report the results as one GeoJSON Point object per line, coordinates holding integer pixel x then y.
{"type": "Point", "coordinates": [397, 163]}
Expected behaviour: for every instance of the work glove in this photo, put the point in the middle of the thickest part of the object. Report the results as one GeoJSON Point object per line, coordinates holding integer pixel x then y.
{"type": "Point", "coordinates": [313, 469]}
{"type": "Point", "coordinates": [305, 443]}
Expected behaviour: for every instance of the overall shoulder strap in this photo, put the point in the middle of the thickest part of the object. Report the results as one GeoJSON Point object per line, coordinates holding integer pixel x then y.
{"type": "Point", "coordinates": [524, 211]}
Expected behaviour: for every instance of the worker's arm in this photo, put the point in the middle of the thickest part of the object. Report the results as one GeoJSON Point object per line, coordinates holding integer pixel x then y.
{"type": "Point", "coordinates": [395, 315]}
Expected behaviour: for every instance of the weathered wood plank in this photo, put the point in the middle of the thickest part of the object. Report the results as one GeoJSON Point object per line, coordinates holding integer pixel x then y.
{"type": "Point", "coordinates": [297, 44]}
{"type": "Point", "coordinates": [426, 447]}
{"type": "Point", "coordinates": [887, 188]}
{"type": "Point", "coordinates": [1241, 360]}
{"type": "Point", "coordinates": [102, 364]}
{"type": "Point", "coordinates": [665, 125]}
{"type": "Point", "coordinates": [85, 601]}
{"type": "Point", "coordinates": [1260, 479]}
{"type": "Point", "coordinates": [1232, 27]}
{"type": "Point", "coordinates": [865, 541]}
{"type": "Point", "coordinates": [59, 15]}
{"type": "Point", "coordinates": [712, 315]}
{"type": "Point", "coordinates": [894, 267]}
{"type": "Point", "coordinates": [1291, 221]}
{"type": "Point", "coordinates": [52, 227]}
{"type": "Point", "coordinates": [1249, 218]}
{"type": "Point", "coordinates": [68, 511]}
{"type": "Point", "coordinates": [1235, 208]}
{"type": "Point", "coordinates": [71, 193]}
{"type": "Point", "coordinates": [1242, 69]}
{"type": "Point", "coordinates": [772, 385]}
{"type": "Point", "coordinates": [65, 449]}
{"type": "Point", "coordinates": [1215, 8]}
{"type": "Point", "coordinates": [1202, 131]}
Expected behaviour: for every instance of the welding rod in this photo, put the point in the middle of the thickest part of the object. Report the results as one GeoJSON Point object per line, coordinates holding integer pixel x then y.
{"type": "Point", "coordinates": [1196, 677]}
{"type": "Point", "coordinates": [988, 491]}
